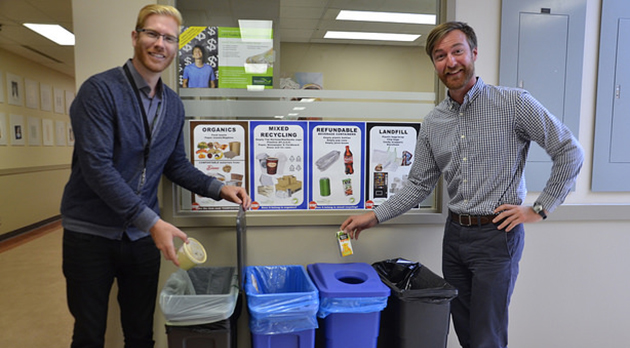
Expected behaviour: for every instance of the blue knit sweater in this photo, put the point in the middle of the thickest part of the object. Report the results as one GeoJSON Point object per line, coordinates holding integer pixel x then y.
{"type": "Point", "coordinates": [105, 195]}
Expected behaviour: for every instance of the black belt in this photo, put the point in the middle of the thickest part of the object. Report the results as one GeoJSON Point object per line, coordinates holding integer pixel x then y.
{"type": "Point", "coordinates": [471, 220]}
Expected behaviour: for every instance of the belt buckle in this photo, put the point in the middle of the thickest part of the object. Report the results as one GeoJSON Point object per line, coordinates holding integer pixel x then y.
{"type": "Point", "coordinates": [469, 220]}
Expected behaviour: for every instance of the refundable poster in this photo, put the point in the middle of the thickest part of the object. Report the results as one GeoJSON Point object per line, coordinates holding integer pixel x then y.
{"type": "Point", "coordinates": [337, 162]}
{"type": "Point", "coordinates": [278, 163]}
{"type": "Point", "coordinates": [219, 149]}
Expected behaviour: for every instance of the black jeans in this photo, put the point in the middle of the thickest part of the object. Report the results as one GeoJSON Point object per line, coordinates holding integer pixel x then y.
{"type": "Point", "coordinates": [482, 263]}
{"type": "Point", "coordinates": [90, 265]}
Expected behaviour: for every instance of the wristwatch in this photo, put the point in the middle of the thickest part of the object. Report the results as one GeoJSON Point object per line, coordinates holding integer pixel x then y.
{"type": "Point", "coordinates": [538, 209]}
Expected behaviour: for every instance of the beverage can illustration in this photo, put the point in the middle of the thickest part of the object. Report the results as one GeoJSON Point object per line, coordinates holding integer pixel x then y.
{"type": "Point", "coordinates": [324, 187]}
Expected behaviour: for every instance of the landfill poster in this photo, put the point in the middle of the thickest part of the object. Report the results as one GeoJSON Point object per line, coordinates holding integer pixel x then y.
{"type": "Point", "coordinates": [278, 162]}
{"type": "Point", "coordinates": [219, 149]}
{"type": "Point", "coordinates": [246, 55]}
{"type": "Point", "coordinates": [337, 162]}
{"type": "Point", "coordinates": [389, 156]}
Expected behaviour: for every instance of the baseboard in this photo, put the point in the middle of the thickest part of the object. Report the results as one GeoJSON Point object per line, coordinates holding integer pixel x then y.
{"type": "Point", "coordinates": [29, 228]}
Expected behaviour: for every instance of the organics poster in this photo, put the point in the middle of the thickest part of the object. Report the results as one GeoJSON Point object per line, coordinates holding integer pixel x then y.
{"type": "Point", "coordinates": [278, 163]}
{"type": "Point", "coordinates": [390, 153]}
{"type": "Point", "coordinates": [337, 162]}
{"type": "Point", "coordinates": [219, 149]}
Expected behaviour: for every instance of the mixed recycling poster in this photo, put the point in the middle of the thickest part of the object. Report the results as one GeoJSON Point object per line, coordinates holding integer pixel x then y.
{"type": "Point", "coordinates": [304, 165]}
{"type": "Point", "coordinates": [278, 165]}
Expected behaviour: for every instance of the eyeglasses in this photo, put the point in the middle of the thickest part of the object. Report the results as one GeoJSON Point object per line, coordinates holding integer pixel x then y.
{"type": "Point", "coordinates": [154, 35]}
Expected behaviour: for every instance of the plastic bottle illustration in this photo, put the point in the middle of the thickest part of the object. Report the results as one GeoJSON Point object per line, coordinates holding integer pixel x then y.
{"type": "Point", "coordinates": [348, 161]}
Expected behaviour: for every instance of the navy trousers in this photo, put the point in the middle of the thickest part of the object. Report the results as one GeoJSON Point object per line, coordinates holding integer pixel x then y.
{"type": "Point", "coordinates": [482, 263]}
{"type": "Point", "coordinates": [90, 265]}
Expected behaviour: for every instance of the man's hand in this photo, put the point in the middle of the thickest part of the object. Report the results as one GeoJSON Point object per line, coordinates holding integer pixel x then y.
{"type": "Point", "coordinates": [163, 235]}
{"type": "Point", "coordinates": [511, 215]}
{"type": "Point", "coordinates": [236, 195]}
{"type": "Point", "coordinates": [357, 223]}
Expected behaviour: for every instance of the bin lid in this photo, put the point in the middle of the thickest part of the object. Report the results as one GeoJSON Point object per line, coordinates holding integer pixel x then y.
{"type": "Point", "coordinates": [347, 280]}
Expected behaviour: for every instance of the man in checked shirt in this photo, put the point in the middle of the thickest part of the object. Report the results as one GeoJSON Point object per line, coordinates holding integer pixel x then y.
{"type": "Point", "coordinates": [478, 139]}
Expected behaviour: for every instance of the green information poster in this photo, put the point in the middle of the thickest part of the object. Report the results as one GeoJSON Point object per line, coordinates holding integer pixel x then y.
{"type": "Point", "coordinates": [246, 57]}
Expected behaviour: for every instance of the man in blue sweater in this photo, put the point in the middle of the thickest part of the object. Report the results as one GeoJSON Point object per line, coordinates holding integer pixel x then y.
{"type": "Point", "coordinates": [128, 129]}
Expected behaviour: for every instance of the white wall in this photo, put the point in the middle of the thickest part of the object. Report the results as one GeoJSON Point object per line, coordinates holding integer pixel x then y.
{"type": "Point", "coordinates": [361, 67]}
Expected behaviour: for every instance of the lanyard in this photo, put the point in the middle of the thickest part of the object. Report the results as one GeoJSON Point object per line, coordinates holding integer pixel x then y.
{"type": "Point", "coordinates": [147, 128]}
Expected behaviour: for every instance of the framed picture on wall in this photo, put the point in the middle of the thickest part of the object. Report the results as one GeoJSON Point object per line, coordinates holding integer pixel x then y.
{"type": "Point", "coordinates": [16, 126]}
{"type": "Point", "coordinates": [15, 90]}
{"type": "Point", "coordinates": [1, 88]}
{"type": "Point", "coordinates": [34, 131]}
{"type": "Point", "coordinates": [48, 132]}
{"type": "Point", "coordinates": [45, 94]}
{"type": "Point", "coordinates": [32, 93]}
{"type": "Point", "coordinates": [59, 99]}
{"type": "Point", "coordinates": [4, 135]}
{"type": "Point", "coordinates": [60, 133]}
{"type": "Point", "coordinates": [69, 99]}
{"type": "Point", "coordinates": [70, 135]}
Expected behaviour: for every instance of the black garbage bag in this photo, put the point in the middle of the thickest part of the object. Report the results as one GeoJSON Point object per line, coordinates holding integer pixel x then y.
{"type": "Point", "coordinates": [417, 312]}
{"type": "Point", "coordinates": [411, 280]}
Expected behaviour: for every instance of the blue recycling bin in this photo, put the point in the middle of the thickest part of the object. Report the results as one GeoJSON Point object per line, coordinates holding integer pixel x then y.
{"type": "Point", "coordinates": [352, 297]}
{"type": "Point", "coordinates": [282, 303]}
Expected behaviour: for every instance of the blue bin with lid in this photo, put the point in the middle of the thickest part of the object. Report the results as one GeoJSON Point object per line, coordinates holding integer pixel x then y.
{"type": "Point", "coordinates": [351, 298]}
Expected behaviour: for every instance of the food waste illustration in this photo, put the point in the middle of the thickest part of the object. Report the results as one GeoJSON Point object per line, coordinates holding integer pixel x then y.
{"type": "Point", "coordinates": [220, 151]}
{"type": "Point", "coordinates": [217, 151]}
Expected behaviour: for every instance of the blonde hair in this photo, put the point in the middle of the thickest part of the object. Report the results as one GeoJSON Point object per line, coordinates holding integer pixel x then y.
{"type": "Point", "coordinates": [155, 9]}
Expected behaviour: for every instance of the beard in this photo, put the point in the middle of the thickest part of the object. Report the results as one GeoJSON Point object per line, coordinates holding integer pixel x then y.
{"type": "Point", "coordinates": [459, 81]}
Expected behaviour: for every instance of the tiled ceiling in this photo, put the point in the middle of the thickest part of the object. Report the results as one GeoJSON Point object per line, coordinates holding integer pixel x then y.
{"type": "Point", "coordinates": [294, 21]}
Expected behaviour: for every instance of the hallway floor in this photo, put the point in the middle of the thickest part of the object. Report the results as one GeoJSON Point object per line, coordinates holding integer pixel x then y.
{"type": "Point", "coordinates": [33, 302]}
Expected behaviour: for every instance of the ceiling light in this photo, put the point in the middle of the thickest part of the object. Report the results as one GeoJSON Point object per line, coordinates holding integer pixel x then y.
{"type": "Point", "coordinates": [353, 35]}
{"type": "Point", "coordinates": [53, 32]}
{"type": "Point", "coordinates": [390, 17]}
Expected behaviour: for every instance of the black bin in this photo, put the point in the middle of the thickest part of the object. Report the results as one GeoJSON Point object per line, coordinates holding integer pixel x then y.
{"type": "Point", "coordinates": [417, 312]}
{"type": "Point", "coordinates": [218, 334]}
